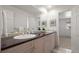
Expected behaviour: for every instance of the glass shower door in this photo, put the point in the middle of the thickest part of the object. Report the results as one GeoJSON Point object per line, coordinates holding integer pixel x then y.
{"type": "Point", "coordinates": [65, 33]}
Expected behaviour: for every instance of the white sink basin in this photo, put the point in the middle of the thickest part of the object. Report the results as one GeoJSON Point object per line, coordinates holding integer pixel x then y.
{"type": "Point", "coordinates": [25, 36]}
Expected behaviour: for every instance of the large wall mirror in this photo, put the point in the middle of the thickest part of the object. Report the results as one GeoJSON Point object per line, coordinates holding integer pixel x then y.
{"type": "Point", "coordinates": [16, 22]}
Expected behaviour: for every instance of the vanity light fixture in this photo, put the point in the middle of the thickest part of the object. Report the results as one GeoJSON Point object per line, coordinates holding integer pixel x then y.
{"type": "Point", "coordinates": [49, 7]}
{"type": "Point", "coordinates": [43, 10]}
{"type": "Point", "coordinates": [68, 14]}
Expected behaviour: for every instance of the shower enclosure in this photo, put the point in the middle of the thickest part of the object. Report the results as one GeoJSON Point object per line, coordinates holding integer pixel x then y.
{"type": "Point", "coordinates": [65, 29]}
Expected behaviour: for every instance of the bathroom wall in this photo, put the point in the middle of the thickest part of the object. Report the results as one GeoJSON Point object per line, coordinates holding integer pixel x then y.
{"type": "Point", "coordinates": [1, 26]}
{"type": "Point", "coordinates": [75, 30]}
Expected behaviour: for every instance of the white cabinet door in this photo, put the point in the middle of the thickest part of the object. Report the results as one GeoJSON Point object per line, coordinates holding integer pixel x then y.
{"type": "Point", "coordinates": [45, 44]}
{"type": "Point", "coordinates": [49, 43]}
{"type": "Point", "coordinates": [39, 45]}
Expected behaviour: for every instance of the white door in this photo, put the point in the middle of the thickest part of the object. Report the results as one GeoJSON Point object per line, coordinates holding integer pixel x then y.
{"type": "Point", "coordinates": [75, 30]}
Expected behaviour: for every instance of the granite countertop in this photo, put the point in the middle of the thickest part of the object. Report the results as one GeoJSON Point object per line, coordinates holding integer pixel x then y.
{"type": "Point", "coordinates": [8, 42]}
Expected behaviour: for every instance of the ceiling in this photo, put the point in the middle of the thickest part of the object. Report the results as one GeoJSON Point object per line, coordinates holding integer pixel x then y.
{"type": "Point", "coordinates": [28, 8]}
{"type": "Point", "coordinates": [34, 9]}
{"type": "Point", "coordinates": [60, 8]}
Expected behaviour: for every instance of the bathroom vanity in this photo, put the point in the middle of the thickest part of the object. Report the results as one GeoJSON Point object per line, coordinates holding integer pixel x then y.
{"type": "Point", "coordinates": [39, 44]}
{"type": "Point", "coordinates": [18, 22]}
